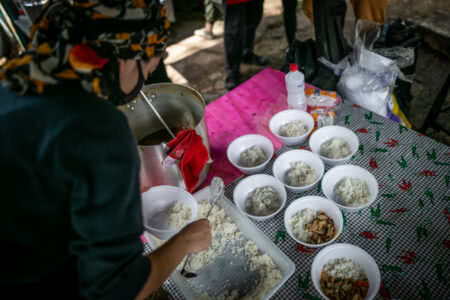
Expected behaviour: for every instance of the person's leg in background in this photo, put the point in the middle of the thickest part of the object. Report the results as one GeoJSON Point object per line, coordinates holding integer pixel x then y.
{"type": "Point", "coordinates": [235, 20]}
{"type": "Point", "coordinates": [307, 7]}
{"type": "Point", "coordinates": [254, 12]}
{"type": "Point", "coordinates": [290, 19]}
{"type": "Point", "coordinates": [372, 10]}
{"type": "Point", "coordinates": [211, 15]}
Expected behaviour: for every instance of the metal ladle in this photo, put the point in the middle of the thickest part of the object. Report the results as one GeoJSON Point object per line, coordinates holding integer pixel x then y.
{"type": "Point", "coordinates": [149, 102]}
{"type": "Point", "coordinates": [217, 189]}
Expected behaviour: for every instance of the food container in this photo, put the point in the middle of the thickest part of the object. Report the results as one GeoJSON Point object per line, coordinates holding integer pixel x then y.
{"type": "Point", "coordinates": [358, 255]}
{"type": "Point", "coordinates": [227, 269]}
{"type": "Point", "coordinates": [247, 185]}
{"type": "Point", "coordinates": [283, 163]}
{"type": "Point", "coordinates": [156, 202]}
{"type": "Point", "coordinates": [336, 174]}
{"type": "Point", "coordinates": [180, 107]}
{"type": "Point", "coordinates": [286, 116]}
{"type": "Point", "coordinates": [244, 142]}
{"type": "Point", "coordinates": [315, 203]}
{"type": "Point", "coordinates": [327, 133]}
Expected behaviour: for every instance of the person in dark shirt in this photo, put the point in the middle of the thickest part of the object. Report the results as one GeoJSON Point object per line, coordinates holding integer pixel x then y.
{"type": "Point", "coordinates": [71, 217]}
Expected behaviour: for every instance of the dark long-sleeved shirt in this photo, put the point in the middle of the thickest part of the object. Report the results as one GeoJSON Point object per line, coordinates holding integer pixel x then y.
{"type": "Point", "coordinates": [70, 216]}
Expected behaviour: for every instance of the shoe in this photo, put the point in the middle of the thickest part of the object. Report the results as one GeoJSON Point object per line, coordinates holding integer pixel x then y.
{"type": "Point", "coordinates": [254, 59]}
{"type": "Point", "coordinates": [231, 81]}
{"type": "Point", "coordinates": [204, 33]}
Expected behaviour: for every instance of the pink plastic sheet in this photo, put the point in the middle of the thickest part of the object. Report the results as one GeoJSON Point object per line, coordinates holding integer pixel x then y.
{"type": "Point", "coordinates": [244, 110]}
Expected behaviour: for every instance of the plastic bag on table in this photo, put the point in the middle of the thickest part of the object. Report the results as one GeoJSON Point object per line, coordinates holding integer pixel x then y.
{"type": "Point", "coordinates": [322, 106]}
{"type": "Point", "coordinates": [369, 79]}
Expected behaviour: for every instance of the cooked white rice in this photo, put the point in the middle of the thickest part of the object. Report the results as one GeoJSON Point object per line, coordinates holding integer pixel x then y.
{"type": "Point", "coordinates": [336, 148]}
{"type": "Point", "coordinates": [352, 192]}
{"type": "Point", "coordinates": [252, 157]}
{"type": "Point", "coordinates": [300, 174]}
{"type": "Point", "coordinates": [293, 128]}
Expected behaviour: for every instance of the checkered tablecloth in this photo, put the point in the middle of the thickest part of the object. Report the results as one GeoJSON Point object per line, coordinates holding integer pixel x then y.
{"type": "Point", "coordinates": [406, 230]}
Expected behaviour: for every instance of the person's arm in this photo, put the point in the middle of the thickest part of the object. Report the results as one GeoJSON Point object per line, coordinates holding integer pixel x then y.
{"type": "Point", "coordinates": [193, 238]}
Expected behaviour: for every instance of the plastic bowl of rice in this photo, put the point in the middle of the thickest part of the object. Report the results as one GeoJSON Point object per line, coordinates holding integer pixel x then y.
{"type": "Point", "coordinates": [316, 204]}
{"type": "Point", "coordinates": [334, 144]}
{"type": "Point", "coordinates": [250, 153]}
{"type": "Point", "coordinates": [286, 123]}
{"type": "Point", "coordinates": [284, 164]}
{"type": "Point", "coordinates": [361, 258]}
{"type": "Point", "coordinates": [166, 210]}
{"type": "Point", "coordinates": [256, 194]}
{"type": "Point", "coordinates": [350, 182]}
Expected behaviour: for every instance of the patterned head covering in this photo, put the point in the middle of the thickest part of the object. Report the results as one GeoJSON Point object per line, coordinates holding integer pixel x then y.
{"type": "Point", "coordinates": [80, 41]}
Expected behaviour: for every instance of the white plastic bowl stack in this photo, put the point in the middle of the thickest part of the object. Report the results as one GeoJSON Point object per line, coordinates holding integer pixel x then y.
{"type": "Point", "coordinates": [327, 133]}
{"type": "Point", "coordinates": [286, 116]}
{"type": "Point", "coordinates": [283, 163]}
{"type": "Point", "coordinates": [336, 174]}
{"type": "Point", "coordinates": [156, 202]}
{"type": "Point", "coordinates": [247, 185]}
{"type": "Point", "coordinates": [315, 203]}
{"type": "Point", "coordinates": [244, 142]}
{"type": "Point", "coordinates": [358, 255]}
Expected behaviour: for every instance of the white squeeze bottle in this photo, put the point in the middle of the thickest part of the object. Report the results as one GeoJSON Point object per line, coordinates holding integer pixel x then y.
{"type": "Point", "coordinates": [295, 86]}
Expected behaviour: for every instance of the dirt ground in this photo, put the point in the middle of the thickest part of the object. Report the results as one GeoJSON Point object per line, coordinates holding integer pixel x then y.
{"type": "Point", "coordinates": [199, 63]}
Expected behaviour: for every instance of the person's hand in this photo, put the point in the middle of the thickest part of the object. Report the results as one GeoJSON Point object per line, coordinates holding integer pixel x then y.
{"type": "Point", "coordinates": [195, 237]}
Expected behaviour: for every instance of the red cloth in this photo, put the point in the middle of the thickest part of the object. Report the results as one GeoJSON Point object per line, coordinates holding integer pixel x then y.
{"type": "Point", "coordinates": [232, 2]}
{"type": "Point", "coordinates": [192, 156]}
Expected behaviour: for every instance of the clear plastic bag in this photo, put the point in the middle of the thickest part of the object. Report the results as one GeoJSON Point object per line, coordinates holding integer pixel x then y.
{"type": "Point", "coordinates": [369, 79]}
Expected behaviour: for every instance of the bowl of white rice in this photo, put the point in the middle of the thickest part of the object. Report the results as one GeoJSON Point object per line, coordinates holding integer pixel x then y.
{"type": "Point", "coordinates": [166, 210]}
{"type": "Point", "coordinates": [260, 196]}
{"type": "Point", "coordinates": [250, 153]}
{"type": "Point", "coordinates": [345, 260]}
{"type": "Point", "coordinates": [303, 211]}
{"type": "Point", "coordinates": [334, 144]}
{"type": "Point", "coordinates": [291, 127]}
{"type": "Point", "coordinates": [351, 187]}
{"type": "Point", "coordinates": [299, 170]}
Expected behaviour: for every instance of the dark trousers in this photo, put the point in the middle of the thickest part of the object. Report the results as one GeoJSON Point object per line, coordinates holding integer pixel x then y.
{"type": "Point", "coordinates": [290, 19]}
{"type": "Point", "coordinates": [241, 21]}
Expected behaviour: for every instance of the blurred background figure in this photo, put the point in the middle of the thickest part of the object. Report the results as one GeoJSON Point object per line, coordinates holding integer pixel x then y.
{"type": "Point", "coordinates": [242, 17]}
{"type": "Point", "coordinates": [372, 10]}
{"type": "Point", "coordinates": [213, 11]}
{"type": "Point", "coordinates": [290, 19]}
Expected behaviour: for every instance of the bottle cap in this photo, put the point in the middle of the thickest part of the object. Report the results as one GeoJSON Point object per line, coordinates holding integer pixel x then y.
{"type": "Point", "coordinates": [293, 67]}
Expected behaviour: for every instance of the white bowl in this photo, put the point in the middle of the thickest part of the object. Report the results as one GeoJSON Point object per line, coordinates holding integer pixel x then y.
{"type": "Point", "coordinates": [358, 255]}
{"type": "Point", "coordinates": [336, 174]}
{"type": "Point", "coordinates": [327, 133]}
{"type": "Point", "coordinates": [287, 116]}
{"type": "Point", "coordinates": [247, 185]}
{"type": "Point", "coordinates": [283, 163]}
{"type": "Point", "coordinates": [244, 142]}
{"type": "Point", "coordinates": [155, 203]}
{"type": "Point", "coordinates": [318, 204]}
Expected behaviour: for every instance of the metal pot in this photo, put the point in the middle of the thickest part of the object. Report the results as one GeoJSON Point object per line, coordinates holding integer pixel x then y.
{"type": "Point", "coordinates": [179, 106]}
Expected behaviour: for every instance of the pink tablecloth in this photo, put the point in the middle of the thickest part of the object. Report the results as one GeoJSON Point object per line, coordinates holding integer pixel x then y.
{"type": "Point", "coordinates": [246, 109]}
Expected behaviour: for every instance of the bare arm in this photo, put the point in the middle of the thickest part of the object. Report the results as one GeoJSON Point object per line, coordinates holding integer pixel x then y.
{"type": "Point", "coordinates": [193, 238]}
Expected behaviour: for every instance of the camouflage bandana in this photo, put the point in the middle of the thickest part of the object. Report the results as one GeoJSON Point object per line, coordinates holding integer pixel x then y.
{"type": "Point", "coordinates": [76, 42]}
